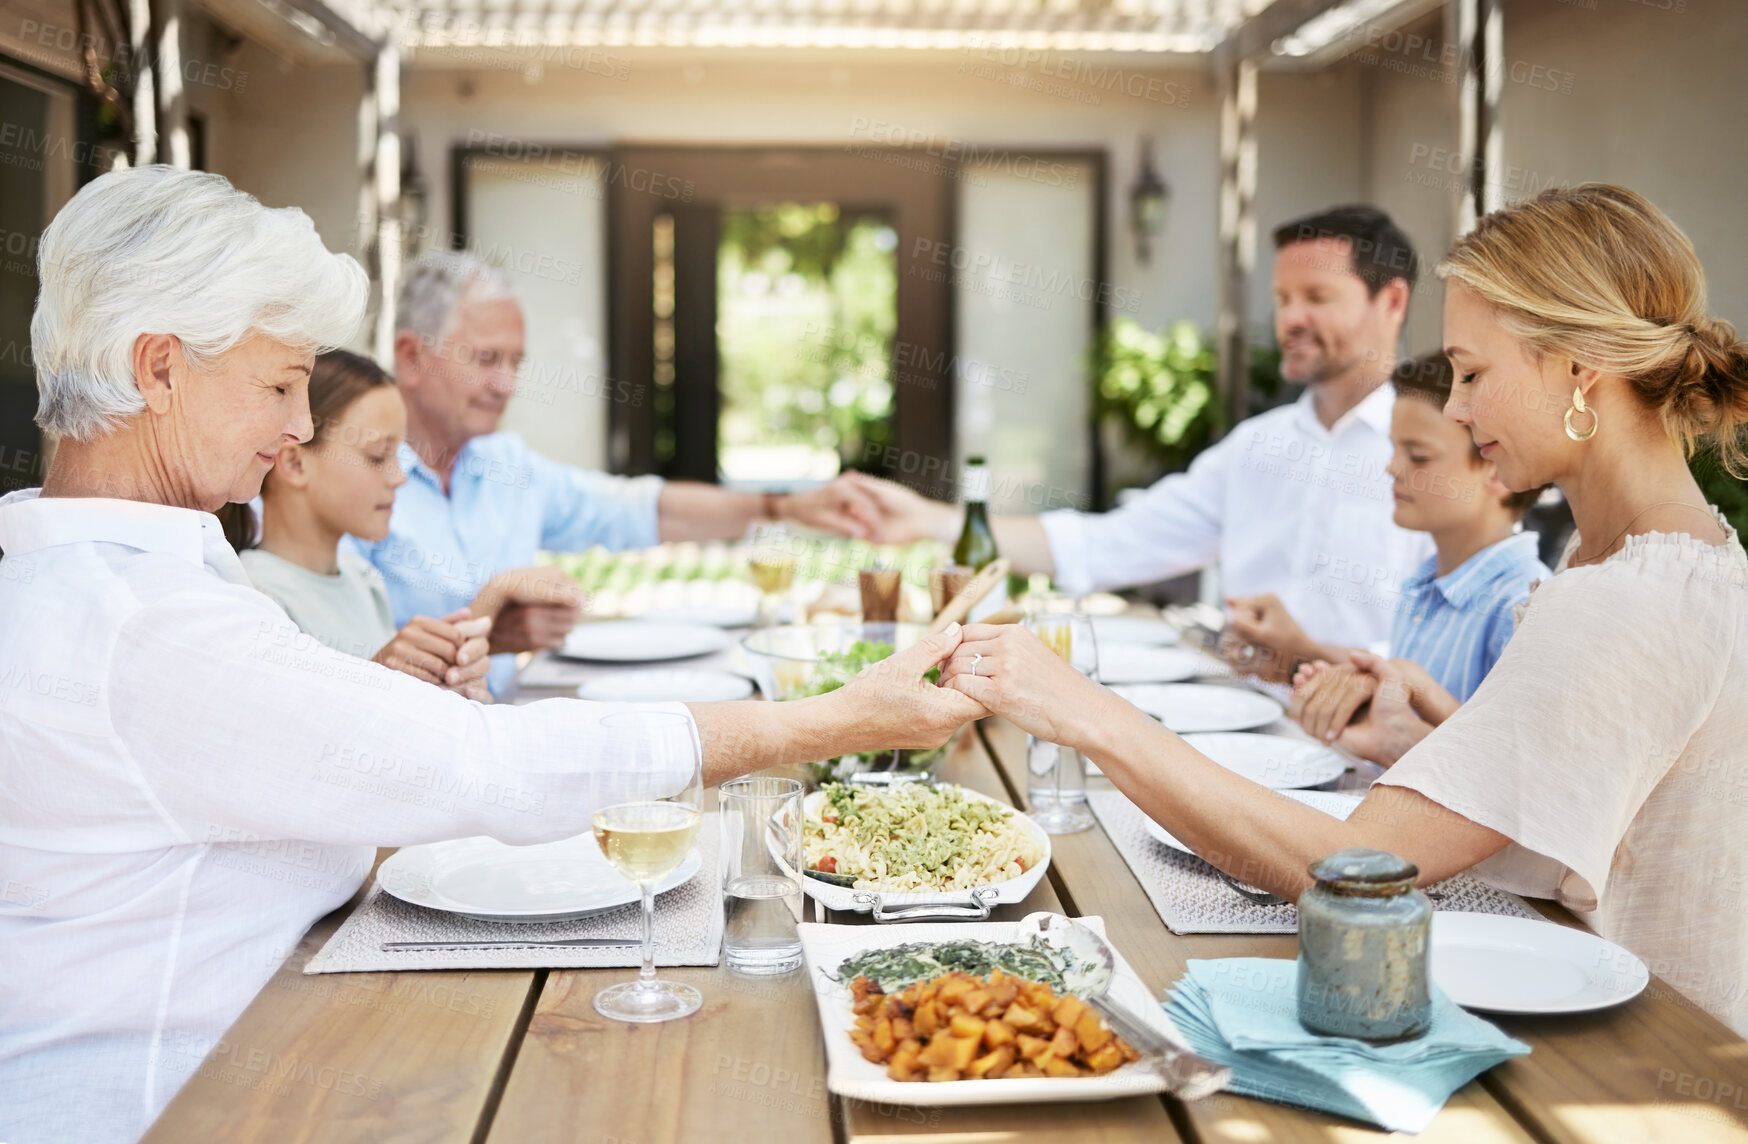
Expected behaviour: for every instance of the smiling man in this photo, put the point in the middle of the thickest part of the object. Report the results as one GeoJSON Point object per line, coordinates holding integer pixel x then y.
{"type": "Point", "coordinates": [1294, 501]}
{"type": "Point", "coordinates": [479, 502]}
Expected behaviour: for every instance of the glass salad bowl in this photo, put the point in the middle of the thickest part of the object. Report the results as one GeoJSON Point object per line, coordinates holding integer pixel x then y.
{"type": "Point", "coordinates": [802, 660]}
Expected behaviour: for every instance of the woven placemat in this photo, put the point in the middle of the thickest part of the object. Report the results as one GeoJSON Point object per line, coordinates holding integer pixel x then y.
{"type": "Point", "coordinates": [688, 931]}
{"type": "Point", "coordinates": [1190, 899]}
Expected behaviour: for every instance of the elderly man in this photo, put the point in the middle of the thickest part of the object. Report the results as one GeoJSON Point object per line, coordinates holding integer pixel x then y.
{"type": "Point", "coordinates": [1293, 502]}
{"type": "Point", "coordinates": [479, 502]}
{"type": "Point", "coordinates": [177, 802]}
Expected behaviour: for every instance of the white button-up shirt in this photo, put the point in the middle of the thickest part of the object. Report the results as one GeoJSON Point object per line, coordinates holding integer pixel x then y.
{"type": "Point", "coordinates": [187, 782]}
{"type": "Point", "coordinates": [1285, 506]}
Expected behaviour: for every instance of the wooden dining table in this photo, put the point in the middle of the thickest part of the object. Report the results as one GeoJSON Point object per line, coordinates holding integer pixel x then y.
{"type": "Point", "coordinates": [520, 1056]}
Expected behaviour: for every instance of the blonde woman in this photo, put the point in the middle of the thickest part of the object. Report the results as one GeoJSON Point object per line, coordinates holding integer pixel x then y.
{"type": "Point", "coordinates": [1604, 760]}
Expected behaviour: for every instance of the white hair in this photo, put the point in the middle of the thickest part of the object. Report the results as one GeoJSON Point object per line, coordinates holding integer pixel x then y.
{"type": "Point", "coordinates": [435, 285]}
{"type": "Point", "coordinates": [156, 250]}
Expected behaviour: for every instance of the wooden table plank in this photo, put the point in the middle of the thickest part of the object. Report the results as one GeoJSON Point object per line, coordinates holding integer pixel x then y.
{"type": "Point", "coordinates": [1096, 880]}
{"type": "Point", "coordinates": [1654, 1070]}
{"type": "Point", "coordinates": [750, 1066]}
{"type": "Point", "coordinates": [366, 1057]}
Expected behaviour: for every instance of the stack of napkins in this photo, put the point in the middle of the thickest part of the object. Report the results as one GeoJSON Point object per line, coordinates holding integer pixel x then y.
{"type": "Point", "coordinates": [1244, 1012]}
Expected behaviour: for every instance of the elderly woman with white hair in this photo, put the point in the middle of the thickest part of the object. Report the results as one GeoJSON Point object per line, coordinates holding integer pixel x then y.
{"type": "Point", "coordinates": [171, 812]}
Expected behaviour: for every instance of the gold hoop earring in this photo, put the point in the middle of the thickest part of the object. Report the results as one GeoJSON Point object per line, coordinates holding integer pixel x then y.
{"type": "Point", "coordinates": [1578, 406]}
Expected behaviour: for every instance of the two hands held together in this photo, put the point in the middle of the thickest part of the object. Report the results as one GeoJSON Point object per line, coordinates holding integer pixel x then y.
{"type": "Point", "coordinates": [986, 669]}
{"type": "Point", "coordinates": [1375, 707]}
{"type": "Point", "coordinates": [524, 609]}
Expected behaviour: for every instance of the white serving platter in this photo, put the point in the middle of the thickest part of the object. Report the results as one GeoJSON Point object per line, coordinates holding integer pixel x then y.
{"type": "Point", "coordinates": [850, 1074]}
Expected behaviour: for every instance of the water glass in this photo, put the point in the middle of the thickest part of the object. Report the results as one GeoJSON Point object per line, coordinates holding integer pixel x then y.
{"type": "Point", "coordinates": [1056, 775]}
{"type": "Point", "coordinates": [760, 857]}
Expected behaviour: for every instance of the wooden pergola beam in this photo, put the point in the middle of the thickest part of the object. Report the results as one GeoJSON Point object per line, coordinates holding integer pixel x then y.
{"type": "Point", "coordinates": [1235, 63]}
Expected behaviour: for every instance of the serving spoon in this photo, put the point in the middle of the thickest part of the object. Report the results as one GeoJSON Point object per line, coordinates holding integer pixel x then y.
{"type": "Point", "coordinates": [1186, 1075]}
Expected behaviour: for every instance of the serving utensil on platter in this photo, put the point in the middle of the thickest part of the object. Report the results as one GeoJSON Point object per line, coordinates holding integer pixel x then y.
{"type": "Point", "coordinates": [1186, 1075]}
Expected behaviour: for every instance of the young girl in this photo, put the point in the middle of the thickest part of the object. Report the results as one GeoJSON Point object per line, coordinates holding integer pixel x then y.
{"type": "Point", "coordinates": [343, 480]}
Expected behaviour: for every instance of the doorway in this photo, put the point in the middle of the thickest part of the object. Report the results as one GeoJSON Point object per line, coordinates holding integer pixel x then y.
{"type": "Point", "coordinates": [763, 296]}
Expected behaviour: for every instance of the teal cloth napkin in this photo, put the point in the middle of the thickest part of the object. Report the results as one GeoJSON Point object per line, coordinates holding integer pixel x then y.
{"type": "Point", "coordinates": [1244, 1012]}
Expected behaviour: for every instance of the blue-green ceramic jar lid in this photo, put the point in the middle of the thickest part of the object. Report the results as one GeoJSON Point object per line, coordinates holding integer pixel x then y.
{"type": "Point", "coordinates": [1364, 871]}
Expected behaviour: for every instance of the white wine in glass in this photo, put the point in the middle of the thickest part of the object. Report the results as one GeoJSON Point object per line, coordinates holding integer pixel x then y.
{"type": "Point", "coordinates": [647, 839]}
{"type": "Point", "coordinates": [771, 560]}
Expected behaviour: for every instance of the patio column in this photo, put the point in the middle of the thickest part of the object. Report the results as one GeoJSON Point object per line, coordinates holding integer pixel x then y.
{"type": "Point", "coordinates": [1237, 232]}
{"type": "Point", "coordinates": [383, 188]}
{"type": "Point", "coordinates": [140, 45]}
{"type": "Point", "coordinates": [167, 79]}
{"type": "Point", "coordinates": [1477, 28]}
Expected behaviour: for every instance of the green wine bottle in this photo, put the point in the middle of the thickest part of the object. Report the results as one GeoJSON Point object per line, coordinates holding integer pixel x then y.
{"type": "Point", "coordinates": [976, 546]}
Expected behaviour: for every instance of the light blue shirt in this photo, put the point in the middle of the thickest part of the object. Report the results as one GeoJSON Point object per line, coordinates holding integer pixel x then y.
{"type": "Point", "coordinates": [505, 503]}
{"type": "Point", "coordinates": [1456, 625]}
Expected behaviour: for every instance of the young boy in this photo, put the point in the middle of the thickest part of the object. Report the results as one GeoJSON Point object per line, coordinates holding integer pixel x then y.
{"type": "Point", "coordinates": [1455, 614]}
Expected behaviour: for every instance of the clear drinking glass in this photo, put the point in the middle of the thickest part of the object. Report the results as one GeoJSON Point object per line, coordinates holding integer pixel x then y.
{"type": "Point", "coordinates": [1056, 775]}
{"type": "Point", "coordinates": [760, 858]}
{"type": "Point", "coordinates": [645, 838]}
{"type": "Point", "coordinates": [771, 559]}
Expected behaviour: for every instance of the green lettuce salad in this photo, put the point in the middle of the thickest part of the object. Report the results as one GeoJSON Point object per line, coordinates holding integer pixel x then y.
{"type": "Point", "coordinates": [832, 672]}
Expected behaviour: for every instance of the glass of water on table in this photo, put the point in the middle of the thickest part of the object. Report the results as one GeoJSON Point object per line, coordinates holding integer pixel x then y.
{"type": "Point", "coordinates": [760, 858]}
{"type": "Point", "coordinates": [646, 837]}
{"type": "Point", "coordinates": [1056, 775]}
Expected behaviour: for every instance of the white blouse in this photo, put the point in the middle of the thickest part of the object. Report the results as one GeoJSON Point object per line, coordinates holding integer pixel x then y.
{"type": "Point", "coordinates": [1610, 744]}
{"type": "Point", "coordinates": [187, 782]}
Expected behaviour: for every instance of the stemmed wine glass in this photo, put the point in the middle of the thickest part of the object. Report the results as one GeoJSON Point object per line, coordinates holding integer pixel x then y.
{"type": "Point", "coordinates": [646, 837]}
{"type": "Point", "coordinates": [1056, 782]}
{"type": "Point", "coordinates": [771, 556]}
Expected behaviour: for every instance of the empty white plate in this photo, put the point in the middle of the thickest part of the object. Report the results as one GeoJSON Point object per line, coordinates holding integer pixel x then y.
{"type": "Point", "coordinates": [1337, 803]}
{"type": "Point", "coordinates": [1272, 760]}
{"type": "Point", "coordinates": [1144, 663]}
{"type": "Point", "coordinates": [639, 641]}
{"type": "Point", "coordinates": [710, 615]}
{"type": "Point", "coordinates": [1501, 964]}
{"type": "Point", "coordinates": [483, 878]}
{"type": "Point", "coordinates": [1190, 707]}
{"type": "Point", "coordinates": [1134, 629]}
{"type": "Point", "coordinates": [667, 685]}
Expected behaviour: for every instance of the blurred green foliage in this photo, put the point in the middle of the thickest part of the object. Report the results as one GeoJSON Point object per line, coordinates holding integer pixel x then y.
{"type": "Point", "coordinates": [1160, 387]}
{"type": "Point", "coordinates": [1723, 490]}
{"type": "Point", "coordinates": [806, 314]}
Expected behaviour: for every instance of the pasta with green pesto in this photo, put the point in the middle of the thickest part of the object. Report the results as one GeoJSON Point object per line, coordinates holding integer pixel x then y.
{"type": "Point", "coordinates": [916, 838]}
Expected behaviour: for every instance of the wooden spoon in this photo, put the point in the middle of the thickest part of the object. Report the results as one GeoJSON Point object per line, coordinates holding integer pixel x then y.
{"type": "Point", "coordinates": [981, 585]}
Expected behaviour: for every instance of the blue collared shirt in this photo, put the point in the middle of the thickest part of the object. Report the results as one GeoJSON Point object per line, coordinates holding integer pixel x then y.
{"type": "Point", "coordinates": [1456, 625]}
{"type": "Point", "coordinates": [505, 503]}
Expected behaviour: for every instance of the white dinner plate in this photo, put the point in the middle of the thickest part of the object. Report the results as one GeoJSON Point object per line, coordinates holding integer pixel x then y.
{"type": "Point", "coordinates": [483, 878]}
{"type": "Point", "coordinates": [640, 641]}
{"type": "Point", "coordinates": [850, 1074]}
{"type": "Point", "coordinates": [1135, 630]}
{"type": "Point", "coordinates": [1272, 760]}
{"type": "Point", "coordinates": [1192, 707]}
{"type": "Point", "coordinates": [1144, 663]}
{"type": "Point", "coordinates": [667, 685]}
{"type": "Point", "coordinates": [1500, 964]}
{"type": "Point", "coordinates": [710, 615]}
{"type": "Point", "coordinates": [1337, 803]}
{"type": "Point", "coordinates": [1007, 893]}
